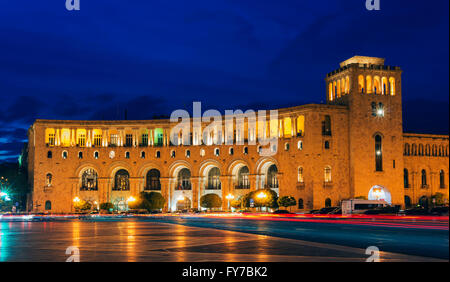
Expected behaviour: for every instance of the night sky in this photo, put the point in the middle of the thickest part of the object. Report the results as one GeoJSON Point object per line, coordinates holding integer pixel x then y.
{"type": "Point", "coordinates": [152, 57]}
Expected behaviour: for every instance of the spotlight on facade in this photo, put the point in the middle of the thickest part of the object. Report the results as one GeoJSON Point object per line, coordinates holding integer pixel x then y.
{"type": "Point", "coordinates": [262, 195]}
{"type": "Point", "coordinates": [380, 112]}
{"type": "Point", "coordinates": [76, 200]}
{"type": "Point", "coordinates": [229, 197]}
{"type": "Point", "coordinates": [131, 199]}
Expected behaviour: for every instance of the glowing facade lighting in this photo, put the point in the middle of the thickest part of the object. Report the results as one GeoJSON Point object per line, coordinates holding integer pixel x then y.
{"type": "Point", "coordinates": [229, 197]}
{"type": "Point", "coordinates": [262, 195]}
{"type": "Point", "coordinates": [76, 200]}
{"type": "Point", "coordinates": [131, 199]}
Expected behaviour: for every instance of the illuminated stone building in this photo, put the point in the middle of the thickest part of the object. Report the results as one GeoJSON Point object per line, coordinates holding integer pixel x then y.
{"type": "Point", "coordinates": [351, 146]}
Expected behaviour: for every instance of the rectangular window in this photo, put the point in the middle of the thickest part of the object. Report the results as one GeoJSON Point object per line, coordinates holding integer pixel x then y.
{"type": "Point", "coordinates": [97, 140]}
{"type": "Point", "coordinates": [144, 139]}
{"type": "Point", "coordinates": [114, 140]}
{"type": "Point", "coordinates": [129, 140]}
{"type": "Point", "coordinates": [82, 140]}
{"type": "Point", "coordinates": [51, 139]}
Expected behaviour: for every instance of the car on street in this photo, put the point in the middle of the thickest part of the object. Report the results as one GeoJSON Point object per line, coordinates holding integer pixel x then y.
{"type": "Point", "coordinates": [281, 212]}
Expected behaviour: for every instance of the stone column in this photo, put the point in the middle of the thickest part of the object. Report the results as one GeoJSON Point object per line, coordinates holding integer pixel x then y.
{"type": "Point", "coordinates": [252, 178]}
{"type": "Point", "coordinates": [165, 192]}
{"type": "Point", "coordinates": [225, 185]}
{"type": "Point", "coordinates": [195, 182]}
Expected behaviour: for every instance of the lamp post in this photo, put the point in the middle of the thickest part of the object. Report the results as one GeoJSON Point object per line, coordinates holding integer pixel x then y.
{"type": "Point", "coordinates": [131, 199]}
{"type": "Point", "coordinates": [229, 197]}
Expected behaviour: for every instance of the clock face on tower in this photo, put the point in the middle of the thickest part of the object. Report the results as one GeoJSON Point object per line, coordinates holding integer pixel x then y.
{"type": "Point", "coordinates": [112, 154]}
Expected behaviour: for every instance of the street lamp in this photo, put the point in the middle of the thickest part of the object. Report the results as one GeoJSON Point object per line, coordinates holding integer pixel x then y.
{"type": "Point", "coordinates": [229, 197]}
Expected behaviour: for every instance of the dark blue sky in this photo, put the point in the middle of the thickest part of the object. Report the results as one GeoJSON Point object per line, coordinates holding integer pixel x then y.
{"type": "Point", "coordinates": [152, 57]}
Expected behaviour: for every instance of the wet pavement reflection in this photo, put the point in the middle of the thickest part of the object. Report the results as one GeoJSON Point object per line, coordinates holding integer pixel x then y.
{"type": "Point", "coordinates": [135, 240]}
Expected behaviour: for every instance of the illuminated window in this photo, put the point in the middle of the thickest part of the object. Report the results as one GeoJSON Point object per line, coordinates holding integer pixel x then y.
{"type": "Point", "coordinates": [243, 181]}
{"type": "Point", "coordinates": [300, 145]}
{"type": "Point", "coordinates": [114, 140]}
{"type": "Point", "coordinates": [142, 155]}
{"type": "Point", "coordinates": [202, 153]}
{"type": "Point", "coordinates": [214, 179]}
{"type": "Point", "coordinates": [378, 154]}
{"type": "Point", "coordinates": [287, 126]}
{"type": "Point", "coordinates": [89, 180]}
{"type": "Point", "coordinates": [361, 84]}
{"type": "Point", "coordinates": [184, 179]}
{"type": "Point", "coordinates": [245, 150]}
{"type": "Point", "coordinates": [51, 139]}
{"type": "Point", "coordinates": [81, 140]}
{"type": "Point", "coordinates": [48, 179]}
{"type": "Point", "coordinates": [122, 181]}
{"type": "Point", "coordinates": [188, 153]}
{"type": "Point", "coordinates": [300, 126]}
{"type": "Point", "coordinates": [97, 139]}
{"type": "Point", "coordinates": [64, 154]}
{"type": "Point", "coordinates": [144, 139]}
{"type": "Point", "coordinates": [153, 180]}
{"type": "Point", "coordinates": [327, 172]}
{"type": "Point", "coordinates": [65, 137]}
{"type": "Point", "coordinates": [95, 155]}
{"type": "Point", "coordinates": [231, 151]}
{"type": "Point", "coordinates": [216, 152]}
{"type": "Point", "coordinates": [392, 86]}
{"type": "Point", "coordinates": [272, 180]}
{"type": "Point", "coordinates": [300, 178]}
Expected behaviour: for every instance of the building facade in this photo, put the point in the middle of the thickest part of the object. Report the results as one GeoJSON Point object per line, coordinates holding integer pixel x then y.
{"type": "Point", "coordinates": [352, 146]}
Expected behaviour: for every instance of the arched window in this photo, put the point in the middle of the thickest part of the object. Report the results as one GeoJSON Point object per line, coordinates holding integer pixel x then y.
{"type": "Point", "coordinates": [392, 86]}
{"type": "Point", "coordinates": [158, 154]}
{"type": "Point", "coordinates": [407, 202]}
{"type": "Point", "coordinates": [48, 205]}
{"type": "Point", "coordinates": [214, 179]}
{"type": "Point", "coordinates": [286, 147]}
{"type": "Point", "coordinates": [95, 155]}
{"type": "Point", "coordinates": [243, 178]}
{"type": "Point", "coordinates": [327, 202]}
{"type": "Point", "coordinates": [231, 151]}
{"type": "Point", "coordinates": [152, 180]}
{"type": "Point", "coordinates": [245, 150]}
{"type": "Point", "coordinates": [424, 178]}
{"type": "Point", "coordinates": [122, 181]}
{"type": "Point", "coordinates": [327, 145]}
{"type": "Point", "coordinates": [127, 155]}
{"type": "Point", "coordinates": [300, 145]}
{"type": "Point", "coordinates": [327, 174]}
{"type": "Point", "coordinates": [89, 180]}
{"type": "Point", "coordinates": [378, 154]}
{"type": "Point", "coordinates": [405, 178]}
{"type": "Point", "coordinates": [376, 85]}
{"type": "Point", "coordinates": [272, 180]}
{"type": "Point", "coordinates": [441, 179]}
{"type": "Point", "coordinates": [184, 179]}
{"type": "Point", "coordinates": [80, 155]}
{"type": "Point", "coordinates": [369, 84]}
{"type": "Point", "coordinates": [300, 178]}
{"type": "Point", "coordinates": [48, 179]}
{"type": "Point", "coordinates": [361, 84]}
{"type": "Point", "coordinates": [49, 154]}
{"type": "Point", "coordinates": [142, 155]}
{"type": "Point", "coordinates": [188, 153]}
{"type": "Point", "coordinates": [300, 204]}
{"type": "Point", "coordinates": [64, 155]}
{"type": "Point", "coordinates": [216, 152]}
{"type": "Point", "coordinates": [202, 153]}
{"type": "Point", "coordinates": [172, 154]}
{"type": "Point", "coordinates": [330, 91]}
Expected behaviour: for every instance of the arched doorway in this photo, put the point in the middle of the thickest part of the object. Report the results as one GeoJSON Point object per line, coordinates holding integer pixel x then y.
{"type": "Point", "coordinates": [407, 202]}
{"type": "Point", "coordinates": [183, 203]}
{"type": "Point", "coordinates": [380, 193]}
{"type": "Point", "coordinates": [423, 202]}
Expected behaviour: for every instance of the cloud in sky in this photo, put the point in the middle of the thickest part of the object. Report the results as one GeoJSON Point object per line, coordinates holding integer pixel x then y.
{"type": "Point", "coordinates": [152, 57]}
